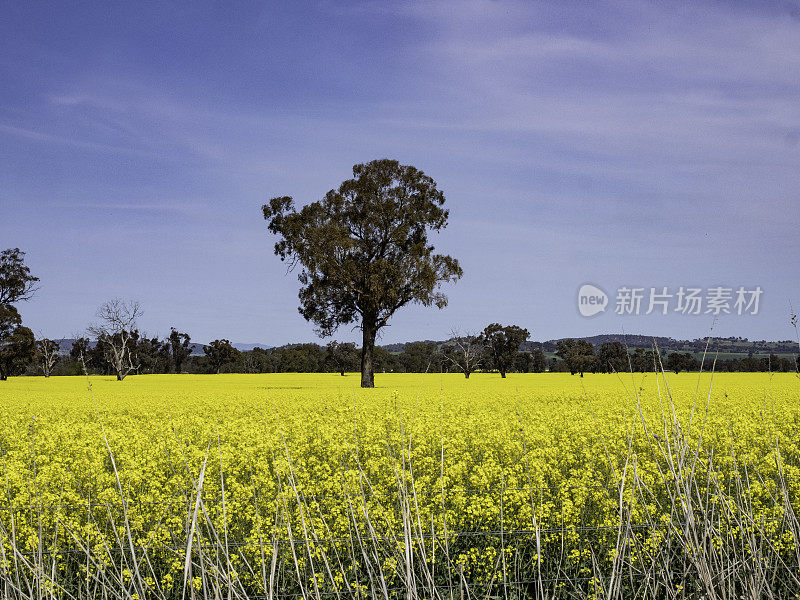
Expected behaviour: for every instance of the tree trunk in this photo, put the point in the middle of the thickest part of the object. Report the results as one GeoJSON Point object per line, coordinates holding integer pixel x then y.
{"type": "Point", "coordinates": [367, 349]}
{"type": "Point", "coordinates": [502, 374]}
{"type": "Point", "coordinates": [466, 374]}
{"type": "Point", "coordinates": [342, 373]}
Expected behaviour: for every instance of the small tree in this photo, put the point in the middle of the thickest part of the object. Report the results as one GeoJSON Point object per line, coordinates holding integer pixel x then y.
{"type": "Point", "coordinates": [530, 362]}
{"type": "Point", "coordinates": [218, 353]}
{"type": "Point", "coordinates": [148, 354]}
{"type": "Point", "coordinates": [538, 361]}
{"type": "Point", "coordinates": [577, 354]}
{"type": "Point", "coordinates": [502, 344]}
{"type": "Point", "coordinates": [79, 349]}
{"type": "Point", "coordinates": [364, 250]}
{"type": "Point", "coordinates": [342, 357]}
{"type": "Point", "coordinates": [463, 351]}
{"type": "Point", "coordinates": [385, 361]}
{"type": "Point", "coordinates": [17, 343]}
{"type": "Point", "coordinates": [116, 333]}
{"type": "Point", "coordinates": [420, 357]}
{"type": "Point", "coordinates": [678, 362]}
{"type": "Point", "coordinates": [302, 358]}
{"type": "Point", "coordinates": [612, 357]}
{"type": "Point", "coordinates": [47, 354]}
{"type": "Point", "coordinates": [645, 360]}
{"type": "Point", "coordinates": [180, 348]}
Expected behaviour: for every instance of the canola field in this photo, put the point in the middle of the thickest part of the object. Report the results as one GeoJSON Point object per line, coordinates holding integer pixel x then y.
{"type": "Point", "coordinates": [298, 482]}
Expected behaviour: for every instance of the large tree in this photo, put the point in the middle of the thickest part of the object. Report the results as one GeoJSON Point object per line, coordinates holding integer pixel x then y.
{"type": "Point", "coordinates": [364, 250]}
{"type": "Point", "coordinates": [502, 344]}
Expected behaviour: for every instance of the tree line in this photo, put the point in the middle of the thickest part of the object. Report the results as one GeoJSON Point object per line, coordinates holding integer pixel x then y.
{"type": "Point", "coordinates": [120, 349]}
{"type": "Point", "coordinates": [114, 345]}
{"type": "Point", "coordinates": [580, 356]}
{"type": "Point", "coordinates": [724, 345]}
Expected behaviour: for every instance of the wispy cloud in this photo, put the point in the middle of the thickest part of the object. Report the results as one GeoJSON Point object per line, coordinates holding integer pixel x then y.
{"type": "Point", "coordinates": [177, 207]}
{"type": "Point", "coordinates": [60, 140]}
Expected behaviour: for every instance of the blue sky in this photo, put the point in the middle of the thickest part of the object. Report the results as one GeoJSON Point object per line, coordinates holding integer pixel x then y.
{"type": "Point", "coordinates": [620, 143]}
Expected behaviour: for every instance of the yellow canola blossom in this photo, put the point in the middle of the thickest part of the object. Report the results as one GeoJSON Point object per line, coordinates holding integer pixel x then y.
{"type": "Point", "coordinates": [472, 474]}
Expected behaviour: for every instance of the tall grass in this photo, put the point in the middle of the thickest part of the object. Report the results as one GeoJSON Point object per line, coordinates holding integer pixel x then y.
{"type": "Point", "coordinates": [690, 534]}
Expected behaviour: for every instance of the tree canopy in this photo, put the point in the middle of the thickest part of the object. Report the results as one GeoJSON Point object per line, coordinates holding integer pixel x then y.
{"type": "Point", "coordinates": [16, 281]}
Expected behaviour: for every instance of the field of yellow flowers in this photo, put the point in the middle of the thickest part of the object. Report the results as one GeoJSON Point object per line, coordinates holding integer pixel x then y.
{"type": "Point", "coordinates": [281, 484]}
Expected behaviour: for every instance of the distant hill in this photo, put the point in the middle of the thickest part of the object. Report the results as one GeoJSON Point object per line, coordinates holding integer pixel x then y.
{"type": "Point", "coordinates": [399, 347]}
{"type": "Point", "coordinates": [726, 345]}
{"type": "Point", "coordinates": [733, 345]}
{"type": "Point", "coordinates": [65, 345]}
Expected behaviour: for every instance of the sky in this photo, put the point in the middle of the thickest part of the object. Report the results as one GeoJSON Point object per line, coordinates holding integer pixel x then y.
{"type": "Point", "coordinates": [621, 144]}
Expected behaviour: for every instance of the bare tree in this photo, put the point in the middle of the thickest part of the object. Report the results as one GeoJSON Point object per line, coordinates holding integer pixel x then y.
{"type": "Point", "coordinates": [464, 351]}
{"type": "Point", "coordinates": [47, 353]}
{"type": "Point", "coordinates": [116, 331]}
